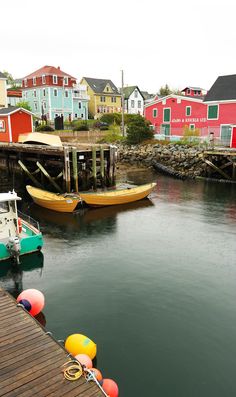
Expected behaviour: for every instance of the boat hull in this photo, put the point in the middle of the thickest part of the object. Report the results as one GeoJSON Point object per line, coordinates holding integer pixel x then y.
{"type": "Point", "coordinates": [31, 243]}
{"type": "Point", "coordinates": [117, 197]}
{"type": "Point", "coordinates": [52, 201]}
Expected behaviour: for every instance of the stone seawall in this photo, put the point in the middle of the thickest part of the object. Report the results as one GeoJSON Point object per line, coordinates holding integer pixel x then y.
{"type": "Point", "coordinates": [178, 160]}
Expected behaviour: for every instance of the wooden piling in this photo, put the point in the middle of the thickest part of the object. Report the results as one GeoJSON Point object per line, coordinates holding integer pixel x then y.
{"type": "Point", "coordinates": [75, 169]}
{"type": "Point", "coordinates": [94, 166]}
{"type": "Point", "coordinates": [33, 179]}
{"type": "Point", "coordinates": [57, 187]}
{"type": "Point", "coordinates": [67, 169]}
{"type": "Point", "coordinates": [102, 165]}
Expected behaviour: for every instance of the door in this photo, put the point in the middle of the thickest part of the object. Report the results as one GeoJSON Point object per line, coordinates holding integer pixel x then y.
{"type": "Point", "coordinates": [165, 129]}
{"type": "Point", "coordinates": [225, 135]}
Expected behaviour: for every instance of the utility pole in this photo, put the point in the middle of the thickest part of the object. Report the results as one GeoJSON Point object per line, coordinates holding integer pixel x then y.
{"type": "Point", "coordinates": [122, 103]}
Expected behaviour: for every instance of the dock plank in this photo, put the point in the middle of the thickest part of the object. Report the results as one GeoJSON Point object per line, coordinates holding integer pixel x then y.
{"type": "Point", "coordinates": [31, 360]}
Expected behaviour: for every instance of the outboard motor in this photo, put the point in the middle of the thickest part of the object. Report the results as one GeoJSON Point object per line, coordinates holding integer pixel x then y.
{"type": "Point", "coordinates": [13, 247]}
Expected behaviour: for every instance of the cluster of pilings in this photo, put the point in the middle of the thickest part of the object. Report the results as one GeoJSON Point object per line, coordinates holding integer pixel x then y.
{"type": "Point", "coordinates": [60, 169]}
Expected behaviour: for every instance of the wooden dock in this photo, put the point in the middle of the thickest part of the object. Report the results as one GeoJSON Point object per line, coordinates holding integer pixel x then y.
{"type": "Point", "coordinates": [31, 360]}
{"type": "Point", "coordinates": [221, 163]}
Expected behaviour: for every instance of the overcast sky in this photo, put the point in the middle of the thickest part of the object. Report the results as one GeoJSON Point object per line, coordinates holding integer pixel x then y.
{"type": "Point", "coordinates": [178, 42]}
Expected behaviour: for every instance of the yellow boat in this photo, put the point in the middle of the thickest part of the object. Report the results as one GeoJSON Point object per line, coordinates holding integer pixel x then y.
{"type": "Point", "coordinates": [114, 197]}
{"type": "Point", "coordinates": [52, 201]}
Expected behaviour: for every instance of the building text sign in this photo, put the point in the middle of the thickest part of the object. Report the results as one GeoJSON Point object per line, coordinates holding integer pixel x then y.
{"type": "Point", "coordinates": [190, 120]}
{"type": "Point", "coordinates": [2, 126]}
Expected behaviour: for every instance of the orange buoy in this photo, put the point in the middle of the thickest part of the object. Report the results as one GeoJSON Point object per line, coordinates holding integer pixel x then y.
{"type": "Point", "coordinates": [32, 300]}
{"type": "Point", "coordinates": [97, 374]}
{"type": "Point", "coordinates": [110, 387]}
{"type": "Point", "coordinates": [84, 359]}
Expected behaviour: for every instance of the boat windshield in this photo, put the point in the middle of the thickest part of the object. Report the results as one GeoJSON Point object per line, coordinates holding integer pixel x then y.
{"type": "Point", "coordinates": [4, 207]}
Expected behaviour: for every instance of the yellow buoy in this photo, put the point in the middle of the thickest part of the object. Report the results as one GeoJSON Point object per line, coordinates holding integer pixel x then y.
{"type": "Point", "coordinates": [81, 344]}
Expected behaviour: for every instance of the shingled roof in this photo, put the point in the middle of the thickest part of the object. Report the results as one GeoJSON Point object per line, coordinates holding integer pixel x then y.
{"type": "Point", "coordinates": [2, 76]}
{"type": "Point", "coordinates": [128, 91]}
{"type": "Point", "coordinates": [98, 85]}
{"type": "Point", "coordinates": [13, 109]}
{"type": "Point", "coordinates": [48, 70]}
{"type": "Point", "coordinates": [223, 89]}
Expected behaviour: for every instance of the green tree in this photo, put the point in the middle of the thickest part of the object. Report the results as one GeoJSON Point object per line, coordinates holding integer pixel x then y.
{"type": "Point", "coordinates": [24, 105]}
{"type": "Point", "coordinates": [165, 90]}
{"type": "Point", "coordinates": [138, 130]}
{"type": "Point", "coordinates": [9, 77]}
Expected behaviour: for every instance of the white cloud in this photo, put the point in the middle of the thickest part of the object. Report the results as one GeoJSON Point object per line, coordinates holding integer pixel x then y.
{"type": "Point", "coordinates": [180, 42]}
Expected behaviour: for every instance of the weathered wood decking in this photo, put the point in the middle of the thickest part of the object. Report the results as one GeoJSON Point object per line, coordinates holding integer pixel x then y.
{"type": "Point", "coordinates": [31, 360]}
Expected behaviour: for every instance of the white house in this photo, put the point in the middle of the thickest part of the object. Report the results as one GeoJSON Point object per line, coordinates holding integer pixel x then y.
{"type": "Point", "coordinates": [134, 100]}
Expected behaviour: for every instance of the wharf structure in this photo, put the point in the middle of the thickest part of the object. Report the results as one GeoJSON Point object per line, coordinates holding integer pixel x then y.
{"type": "Point", "coordinates": [31, 360]}
{"type": "Point", "coordinates": [60, 169]}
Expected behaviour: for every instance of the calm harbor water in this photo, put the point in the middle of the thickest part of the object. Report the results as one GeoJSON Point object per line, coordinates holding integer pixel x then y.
{"type": "Point", "coordinates": [152, 283]}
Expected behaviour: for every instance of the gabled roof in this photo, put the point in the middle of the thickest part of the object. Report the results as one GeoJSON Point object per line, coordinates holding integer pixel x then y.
{"type": "Point", "coordinates": [13, 109]}
{"type": "Point", "coordinates": [2, 76]}
{"type": "Point", "coordinates": [146, 95]}
{"type": "Point", "coordinates": [48, 71]}
{"type": "Point", "coordinates": [182, 97]}
{"type": "Point", "coordinates": [98, 85]}
{"type": "Point", "coordinates": [14, 93]}
{"type": "Point", "coordinates": [223, 89]}
{"type": "Point", "coordinates": [192, 88]}
{"type": "Point", "coordinates": [129, 90]}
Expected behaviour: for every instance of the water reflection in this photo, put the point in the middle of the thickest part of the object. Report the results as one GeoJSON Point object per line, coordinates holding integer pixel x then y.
{"type": "Point", "coordinates": [87, 220]}
{"type": "Point", "coordinates": [12, 275]}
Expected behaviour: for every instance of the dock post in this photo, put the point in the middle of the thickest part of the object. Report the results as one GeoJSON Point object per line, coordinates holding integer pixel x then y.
{"type": "Point", "coordinates": [49, 177]}
{"type": "Point", "coordinates": [102, 165]}
{"type": "Point", "coordinates": [24, 168]}
{"type": "Point", "coordinates": [67, 169]}
{"type": "Point", "coordinates": [75, 169]}
{"type": "Point", "coordinates": [94, 166]}
{"type": "Point", "coordinates": [112, 164]}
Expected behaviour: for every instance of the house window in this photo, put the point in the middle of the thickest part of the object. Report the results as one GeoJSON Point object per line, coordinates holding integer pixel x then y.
{"type": "Point", "coordinates": [79, 105]}
{"type": "Point", "coordinates": [113, 99]}
{"type": "Point", "coordinates": [55, 92]}
{"type": "Point", "coordinates": [188, 111]}
{"type": "Point", "coordinates": [136, 94]}
{"type": "Point", "coordinates": [154, 113]}
{"type": "Point", "coordinates": [35, 93]}
{"type": "Point", "coordinates": [192, 127]}
{"type": "Point", "coordinates": [25, 94]}
{"type": "Point", "coordinates": [34, 80]}
{"type": "Point", "coordinates": [139, 104]}
{"type": "Point", "coordinates": [25, 82]}
{"type": "Point", "coordinates": [44, 92]}
{"type": "Point", "coordinates": [44, 105]}
{"type": "Point", "coordinates": [66, 93]}
{"type": "Point", "coordinates": [212, 112]}
{"type": "Point", "coordinates": [107, 88]}
{"type": "Point", "coordinates": [188, 91]}
{"type": "Point", "coordinates": [66, 80]}
{"type": "Point", "coordinates": [76, 115]}
{"type": "Point", "coordinates": [54, 79]}
{"type": "Point", "coordinates": [103, 99]}
{"type": "Point", "coordinates": [35, 106]}
{"type": "Point", "coordinates": [132, 103]}
{"type": "Point", "coordinates": [43, 79]}
{"type": "Point", "coordinates": [2, 126]}
{"type": "Point", "coordinates": [166, 115]}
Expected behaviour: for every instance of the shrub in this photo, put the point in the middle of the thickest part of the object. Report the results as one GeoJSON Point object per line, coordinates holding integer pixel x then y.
{"type": "Point", "coordinates": [138, 130]}
{"type": "Point", "coordinates": [80, 126]}
{"type": "Point", "coordinates": [111, 118]}
{"type": "Point", "coordinates": [44, 127]}
{"type": "Point", "coordinates": [104, 128]}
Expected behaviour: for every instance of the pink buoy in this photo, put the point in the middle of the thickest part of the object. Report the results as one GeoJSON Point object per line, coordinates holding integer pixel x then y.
{"type": "Point", "coordinates": [84, 359]}
{"type": "Point", "coordinates": [97, 374]}
{"type": "Point", "coordinates": [32, 300]}
{"type": "Point", "coordinates": [110, 387]}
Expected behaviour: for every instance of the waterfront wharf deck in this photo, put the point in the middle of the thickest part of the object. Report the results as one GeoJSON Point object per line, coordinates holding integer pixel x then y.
{"type": "Point", "coordinates": [31, 360]}
{"type": "Point", "coordinates": [221, 161]}
{"type": "Point", "coordinates": [61, 169]}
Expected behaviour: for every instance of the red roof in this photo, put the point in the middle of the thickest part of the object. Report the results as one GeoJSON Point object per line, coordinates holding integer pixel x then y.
{"type": "Point", "coordinates": [48, 70]}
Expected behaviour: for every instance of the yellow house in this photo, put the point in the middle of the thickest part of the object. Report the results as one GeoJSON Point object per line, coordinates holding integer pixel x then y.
{"type": "Point", "coordinates": [104, 96]}
{"type": "Point", "coordinates": [3, 91]}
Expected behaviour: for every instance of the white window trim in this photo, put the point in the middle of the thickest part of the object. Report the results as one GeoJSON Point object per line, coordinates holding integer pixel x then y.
{"type": "Point", "coordinates": [34, 80]}
{"type": "Point", "coordinates": [54, 77]}
{"type": "Point", "coordinates": [43, 79]}
{"type": "Point", "coordinates": [216, 104]}
{"type": "Point", "coordinates": [164, 115]}
{"type": "Point", "coordinates": [66, 80]}
{"type": "Point", "coordinates": [55, 90]}
{"type": "Point", "coordinates": [35, 94]}
{"type": "Point", "coordinates": [25, 82]}
{"type": "Point", "coordinates": [154, 109]}
{"type": "Point", "coordinates": [188, 115]}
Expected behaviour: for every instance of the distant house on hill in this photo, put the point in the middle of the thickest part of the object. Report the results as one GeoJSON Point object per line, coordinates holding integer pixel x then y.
{"type": "Point", "coordinates": [52, 92]}
{"type": "Point", "coordinates": [104, 96]}
{"type": "Point", "coordinates": [13, 96]}
{"type": "Point", "coordinates": [134, 100]}
{"type": "Point", "coordinates": [3, 90]}
{"type": "Point", "coordinates": [194, 92]}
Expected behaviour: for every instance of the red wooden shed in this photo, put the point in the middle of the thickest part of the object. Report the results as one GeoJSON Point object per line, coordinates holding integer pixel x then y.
{"type": "Point", "coordinates": [13, 122]}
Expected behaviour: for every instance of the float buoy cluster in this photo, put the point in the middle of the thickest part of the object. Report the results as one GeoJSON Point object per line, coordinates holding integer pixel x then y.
{"type": "Point", "coordinates": [84, 350]}
{"type": "Point", "coordinates": [32, 300]}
